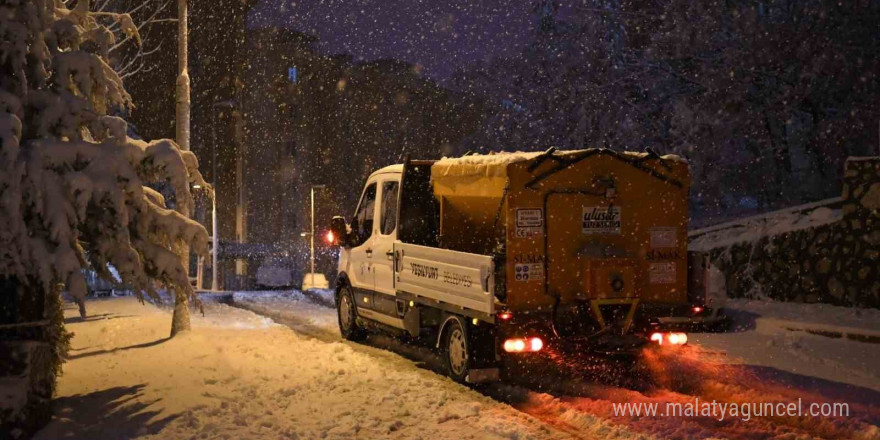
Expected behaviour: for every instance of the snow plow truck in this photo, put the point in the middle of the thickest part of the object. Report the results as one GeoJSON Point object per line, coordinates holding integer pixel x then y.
{"type": "Point", "coordinates": [512, 254]}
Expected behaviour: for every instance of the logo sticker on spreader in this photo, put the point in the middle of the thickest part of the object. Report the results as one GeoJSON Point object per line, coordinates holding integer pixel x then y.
{"type": "Point", "coordinates": [661, 273]}
{"type": "Point", "coordinates": [528, 272]}
{"type": "Point", "coordinates": [664, 237]}
{"type": "Point", "coordinates": [529, 222]}
{"type": "Point", "coordinates": [601, 220]}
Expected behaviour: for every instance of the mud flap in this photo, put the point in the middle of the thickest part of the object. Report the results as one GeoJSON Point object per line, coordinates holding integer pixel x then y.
{"type": "Point", "coordinates": [483, 375]}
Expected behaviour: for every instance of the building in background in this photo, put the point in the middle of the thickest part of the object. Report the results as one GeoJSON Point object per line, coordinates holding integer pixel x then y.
{"type": "Point", "coordinates": [312, 118]}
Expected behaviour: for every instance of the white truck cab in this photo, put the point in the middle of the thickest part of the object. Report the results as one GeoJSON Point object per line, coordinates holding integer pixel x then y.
{"type": "Point", "coordinates": [368, 260]}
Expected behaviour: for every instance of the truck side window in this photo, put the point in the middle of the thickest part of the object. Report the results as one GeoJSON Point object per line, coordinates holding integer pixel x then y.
{"type": "Point", "coordinates": [389, 207]}
{"type": "Point", "coordinates": [364, 216]}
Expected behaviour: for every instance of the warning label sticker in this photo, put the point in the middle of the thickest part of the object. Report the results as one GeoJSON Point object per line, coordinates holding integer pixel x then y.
{"type": "Point", "coordinates": [529, 272]}
{"type": "Point", "coordinates": [529, 222]}
{"type": "Point", "coordinates": [661, 273]}
{"type": "Point", "coordinates": [664, 238]}
{"type": "Point", "coordinates": [601, 220]}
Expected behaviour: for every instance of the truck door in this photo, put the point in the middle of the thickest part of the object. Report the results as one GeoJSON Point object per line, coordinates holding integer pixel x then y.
{"type": "Point", "coordinates": [360, 270]}
{"type": "Point", "coordinates": [386, 233]}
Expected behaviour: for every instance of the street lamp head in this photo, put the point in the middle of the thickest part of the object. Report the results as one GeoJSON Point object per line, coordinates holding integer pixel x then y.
{"type": "Point", "coordinates": [225, 104]}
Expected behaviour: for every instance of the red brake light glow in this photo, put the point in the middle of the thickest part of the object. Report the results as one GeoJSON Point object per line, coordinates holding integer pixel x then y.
{"type": "Point", "coordinates": [677, 338]}
{"type": "Point", "coordinates": [669, 338]}
{"type": "Point", "coordinates": [697, 309]}
{"type": "Point", "coordinates": [505, 316]}
{"type": "Point", "coordinates": [536, 344]}
{"type": "Point", "coordinates": [519, 345]}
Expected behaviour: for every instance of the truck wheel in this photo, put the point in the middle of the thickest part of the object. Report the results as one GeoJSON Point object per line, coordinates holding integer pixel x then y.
{"type": "Point", "coordinates": [457, 352]}
{"type": "Point", "coordinates": [348, 316]}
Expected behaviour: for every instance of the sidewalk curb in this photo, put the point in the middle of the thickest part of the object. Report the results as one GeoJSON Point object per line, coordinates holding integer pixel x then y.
{"type": "Point", "coordinates": [768, 325]}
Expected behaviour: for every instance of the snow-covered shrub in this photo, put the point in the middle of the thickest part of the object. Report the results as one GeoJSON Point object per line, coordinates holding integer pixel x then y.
{"type": "Point", "coordinates": [73, 186]}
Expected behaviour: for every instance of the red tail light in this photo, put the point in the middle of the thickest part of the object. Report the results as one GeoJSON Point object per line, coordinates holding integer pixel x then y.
{"type": "Point", "coordinates": [697, 309]}
{"type": "Point", "coordinates": [519, 345]}
{"type": "Point", "coordinates": [505, 316]}
{"type": "Point", "coordinates": [330, 237]}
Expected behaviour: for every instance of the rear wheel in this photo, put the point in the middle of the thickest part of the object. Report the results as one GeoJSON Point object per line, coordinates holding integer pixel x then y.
{"type": "Point", "coordinates": [457, 351]}
{"type": "Point", "coordinates": [347, 314]}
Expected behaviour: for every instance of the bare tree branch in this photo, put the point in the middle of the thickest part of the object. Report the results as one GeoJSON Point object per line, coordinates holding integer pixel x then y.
{"type": "Point", "coordinates": [144, 14]}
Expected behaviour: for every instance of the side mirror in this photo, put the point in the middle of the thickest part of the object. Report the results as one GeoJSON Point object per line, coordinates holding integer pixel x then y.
{"type": "Point", "coordinates": [338, 231]}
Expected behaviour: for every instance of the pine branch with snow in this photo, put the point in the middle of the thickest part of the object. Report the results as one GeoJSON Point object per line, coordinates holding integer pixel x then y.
{"type": "Point", "coordinates": [74, 189]}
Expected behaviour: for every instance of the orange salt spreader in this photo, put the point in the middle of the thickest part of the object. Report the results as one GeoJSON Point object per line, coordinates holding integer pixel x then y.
{"type": "Point", "coordinates": [587, 244]}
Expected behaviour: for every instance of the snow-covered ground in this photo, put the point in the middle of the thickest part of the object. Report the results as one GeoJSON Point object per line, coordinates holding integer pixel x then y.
{"type": "Point", "coordinates": [832, 318]}
{"type": "Point", "coordinates": [762, 360]}
{"type": "Point", "coordinates": [242, 375]}
{"type": "Point", "coordinates": [238, 375]}
{"type": "Point", "coordinates": [776, 334]}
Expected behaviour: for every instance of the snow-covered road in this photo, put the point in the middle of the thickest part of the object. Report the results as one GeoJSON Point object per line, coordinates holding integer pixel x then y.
{"type": "Point", "coordinates": [761, 363]}
{"type": "Point", "coordinates": [242, 375]}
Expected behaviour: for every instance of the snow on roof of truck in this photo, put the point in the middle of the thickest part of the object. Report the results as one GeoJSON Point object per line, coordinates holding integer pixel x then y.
{"type": "Point", "coordinates": [397, 168]}
{"type": "Point", "coordinates": [495, 164]}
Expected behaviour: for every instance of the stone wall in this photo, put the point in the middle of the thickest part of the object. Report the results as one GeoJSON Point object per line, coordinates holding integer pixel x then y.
{"type": "Point", "coordinates": [834, 261]}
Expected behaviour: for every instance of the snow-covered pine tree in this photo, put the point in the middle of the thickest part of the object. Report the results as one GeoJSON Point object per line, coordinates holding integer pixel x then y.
{"type": "Point", "coordinates": [73, 187]}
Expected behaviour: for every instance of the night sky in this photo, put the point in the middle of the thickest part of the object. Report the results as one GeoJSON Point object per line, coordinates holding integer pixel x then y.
{"type": "Point", "coordinates": [439, 35]}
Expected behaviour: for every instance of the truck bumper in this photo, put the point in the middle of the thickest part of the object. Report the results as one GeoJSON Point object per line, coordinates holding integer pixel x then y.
{"type": "Point", "coordinates": [713, 321]}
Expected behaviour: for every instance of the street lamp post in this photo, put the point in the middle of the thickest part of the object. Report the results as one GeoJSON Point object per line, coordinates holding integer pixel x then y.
{"type": "Point", "coordinates": [311, 235]}
{"type": "Point", "coordinates": [214, 241]}
{"type": "Point", "coordinates": [215, 228]}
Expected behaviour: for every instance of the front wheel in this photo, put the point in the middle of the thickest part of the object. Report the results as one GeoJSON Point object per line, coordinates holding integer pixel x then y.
{"type": "Point", "coordinates": [457, 352]}
{"type": "Point", "coordinates": [347, 314]}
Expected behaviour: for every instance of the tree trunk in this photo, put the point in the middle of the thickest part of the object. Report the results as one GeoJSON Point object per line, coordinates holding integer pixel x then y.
{"type": "Point", "coordinates": [180, 319]}
{"type": "Point", "coordinates": [82, 307]}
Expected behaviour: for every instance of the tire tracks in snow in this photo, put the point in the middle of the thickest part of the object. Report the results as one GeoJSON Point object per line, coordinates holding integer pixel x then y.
{"type": "Point", "coordinates": [548, 410]}
{"type": "Point", "coordinates": [685, 376]}
{"type": "Point", "coordinates": [581, 406]}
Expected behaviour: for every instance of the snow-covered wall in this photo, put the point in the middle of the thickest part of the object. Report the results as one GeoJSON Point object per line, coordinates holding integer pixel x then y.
{"type": "Point", "coordinates": [821, 252]}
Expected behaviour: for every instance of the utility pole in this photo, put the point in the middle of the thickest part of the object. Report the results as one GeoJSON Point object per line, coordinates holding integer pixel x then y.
{"type": "Point", "coordinates": [183, 92]}
{"type": "Point", "coordinates": [180, 319]}
{"type": "Point", "coordinates": [217, 107]}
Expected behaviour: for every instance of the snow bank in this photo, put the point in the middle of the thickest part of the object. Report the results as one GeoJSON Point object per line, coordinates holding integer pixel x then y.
{"type": "Point", "coordinates": [238, 376]}
{"type": "Point", "coordinates": [809, 356]}
{"type": "Point", "coordinates": [309, 313]}
{"type": "Point", "coordinates": [752, 229]}
{"type": "Point", "coordinates": [843, 318]}
{"type": "Point", "coordinates": [777, 334]}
